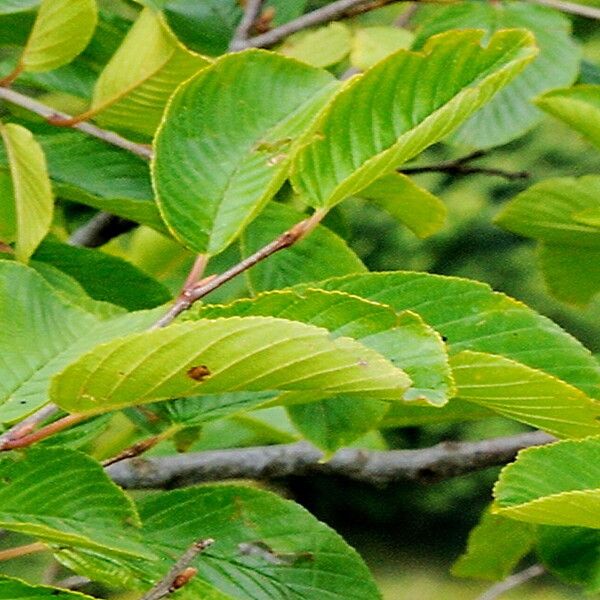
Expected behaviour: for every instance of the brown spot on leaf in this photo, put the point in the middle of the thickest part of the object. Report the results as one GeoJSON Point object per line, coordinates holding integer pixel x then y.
{"type": "Point", "coordinates": [198, 373]}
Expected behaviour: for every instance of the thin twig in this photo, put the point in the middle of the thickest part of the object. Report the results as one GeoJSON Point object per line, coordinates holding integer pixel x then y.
{"type": "Point", "coordinates": [437, 463]}
{"type": "Point", "coordinates": [100, 229]}
{"type": "Point", "coordinates": [24, 441]}
{"type": "Point", "coordinates": [462, 166]}
{"type": "Point", "coordinates": [512, 582]}
{"type": "Point", "coordinates": [326, 14]}
{"type": "Point", "coordinates": [49, 113]}
{"type": "Point", "coordinates": [252, 11]}
{"type": "Point", "coordinates": [28, 424]}
{"type": "Point", "coordinates": [180, 574]}
{"type": "Point", "coordinates": [570, 7]}
{"type": "Point", "coordinates": [19, 551]}
{"type": "Point", "coordinates": [192, 294]}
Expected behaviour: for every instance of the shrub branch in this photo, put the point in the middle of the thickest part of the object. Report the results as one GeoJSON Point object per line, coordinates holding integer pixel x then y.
{"type": "Point", "coordinates": [443, 461]}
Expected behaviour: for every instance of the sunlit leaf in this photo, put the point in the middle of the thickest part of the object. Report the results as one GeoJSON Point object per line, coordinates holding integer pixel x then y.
{"type": "Point", "coordinates": [133, 89]}
{"type": "Point", "coordinates": [422, 212]}
{"type": "Point", "coordinates": [471, 316]}
{"type": "Point", "coordinates": [512, 112]}
{"type": "Point", "coordinates": [440, 88]}
{"type": "Point", "coordinates": [557, 484]}
{"type": "Point", "coordinates": [62, 29]}
{"type": "Point", "coordinates": [26, 209]}
{"type": "Point", "coordinates": [372, 44]}
{"type": "Point", "coordinates": [220, 157]}
{"type": "Point", "coordinates": [322, 47]}
{"type": "Point", "coordinates": [223, 355]}
{"type": "Point", "coordinates": [524, 394]}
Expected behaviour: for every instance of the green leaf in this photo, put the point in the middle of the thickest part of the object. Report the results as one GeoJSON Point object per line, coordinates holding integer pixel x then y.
{"type": "Point", "coordinates": [372, 44]}
{"type": "Point", "coordinates": [38, 498]}
{"type": "Point", "coordinates": [224, 355]}
{"type": "Point", "coordinates": [404, 339]}
{"type": "Point", "coordinates": [572, 554]}
{"type": "Point", "coordinates": [332, 423]}
{"type": "Point", "coordinates": [512, 112]}
{"type": "Point", "coordinates": [550, 211]}
{"type": "Point", "coordinates": [578, 106]}
{"type": "Point", "coordinates": [43, 332]}
{"type": "Point", "coordinates": [560, 214]}
{"type": "Point", "coordinates": [72, 290]}
{"type": "Point", "coordinates": [14, 589]}
{"type": "Point", "coordinates": [133, 89]}
{"type": "Point", "coordinates": [495, 547]}
{"type": "Point", "coordinates": [322, 47]}
{"type": "Point", "coordinates": [266, 548]}
{"type": "Point", "coordinates": [86, 170]}
{"type": "Point", "coordinates": [220, 157]}
{"type": "Point", "coordinates": [471, 316]}
{"type": "Point", "coordinates": [62, 29]}
{"type": "Point", "coordinates": [409, 415]}
{"type": "Point", "coordinates": [26, 210]}
{"type": "Point", "coordinates": [524, 394]}
{"type": "Point", "coordinates": [572, 273]}
{"type": "Point", "coordinates": [441, 87]}
{"type": "Point", "coordinates": [422, 212]}
{"type": "Point", "coordinates": [307, 260]}
{"type": "Point", "coordinates": [105, 277]}
{"type": "Point", "coordinates": [557, 484]}
{"type": "Point", "coordinates": [209, 26]}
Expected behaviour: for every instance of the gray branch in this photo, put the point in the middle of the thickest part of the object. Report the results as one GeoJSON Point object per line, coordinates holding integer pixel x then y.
{"type": "Point", "coordinates": [512, 582]}
{"type": "Point", "coordinates": [326, 14]}
{"type": "Point", "coordinates": [439, 462]}
{"type": "Point", "coordinates": [48, 113]}
{"type": "Point", "coordinates": [242, 33]}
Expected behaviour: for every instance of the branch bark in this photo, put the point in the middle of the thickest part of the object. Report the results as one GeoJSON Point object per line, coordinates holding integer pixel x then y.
{"type": "Point", "coordinates": [191, 294]}
{"type": "Point", "coordinates": [326, 14]}
{"type": "Point", "coordinates": [100, 229]}
{"type": "Point", "coordinates": [46, 112]}
{"type": "Point", "coordinates": [443, 461]}
{"type": "Point", "coordinates": [244, 29]}
{"type": "Point", "coordinates": [512, 582]}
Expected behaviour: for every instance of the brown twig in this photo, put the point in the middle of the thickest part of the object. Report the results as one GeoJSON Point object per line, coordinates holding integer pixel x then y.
{"type": "Point", "coordinates": [512, 582]}
{"type": "Point", "coordinates": [252, 11]}
{"type": "Point", "coordinates": [49, 113]}
{"type": "Point", "coordinates": [19, 551]}
{"type": "Point", "coordinates": [23, 441]}
{"type": "Point", "coordinates": [180, 574]}
{"type": "Point", "coordinates": [8, 79]}
{"type": "Point", "coordinates": [462, 166]}
{"type": "Point", "coordinates": [28, 424]}
{"type": "Point", "coordinates": [326, 14]}
{"type": "Point", "coordinates": [443, 461]}
{"type": "Point", "coordinates": [189, 295]}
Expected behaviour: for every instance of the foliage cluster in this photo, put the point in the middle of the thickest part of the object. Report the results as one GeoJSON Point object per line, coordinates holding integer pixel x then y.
{"type": "Point", "coordinates": [220, 158]}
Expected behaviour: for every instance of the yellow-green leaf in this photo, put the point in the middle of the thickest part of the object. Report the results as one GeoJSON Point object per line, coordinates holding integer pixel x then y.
{"type": "Point", "coordinates": [26, 215]}
{"type": "Point", "coordinates": [554, 485]}
{"type": "Point", "coordinates": [62, 29]}
{"type": "Point", "coordinates": [525, 394]}
{"type": "Point", "coordinates": [135, 85]}
{"type": "Point", "coordinates": [322, 47]}
{"type": "Point", "coordinates": [422, 212]}
{"type": "Point", "coordinates": [224, 355]}
{"type": "Point", "coordinates": [372, 44]}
